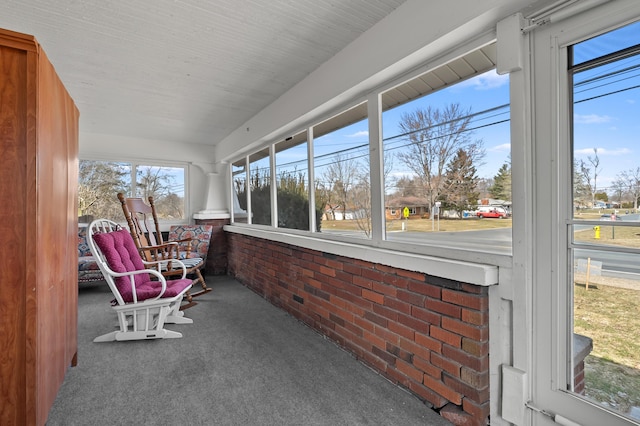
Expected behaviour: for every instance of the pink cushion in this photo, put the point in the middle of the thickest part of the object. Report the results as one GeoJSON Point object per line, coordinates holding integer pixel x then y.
{"type": "Point", "coordinates": [122, 255]}
{"type": "Point", "coordinates": [151, 289]}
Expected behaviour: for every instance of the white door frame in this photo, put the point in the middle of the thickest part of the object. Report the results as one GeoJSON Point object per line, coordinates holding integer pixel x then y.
{"type": "Point", "coordinates": [551, 181]}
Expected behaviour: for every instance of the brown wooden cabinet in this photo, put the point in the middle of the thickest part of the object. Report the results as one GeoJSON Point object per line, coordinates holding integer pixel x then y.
{"type": "Point", "coordinates": [38, 229]}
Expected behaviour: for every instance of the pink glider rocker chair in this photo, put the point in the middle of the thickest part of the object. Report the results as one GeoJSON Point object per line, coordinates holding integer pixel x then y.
{"type": "Point", "coordinates": [144, 299]}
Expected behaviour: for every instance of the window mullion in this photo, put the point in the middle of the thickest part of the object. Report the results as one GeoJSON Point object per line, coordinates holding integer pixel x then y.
{"type": "Point", "coordinates": [274, 185]}
{"type": "Point", "coordinates": [376, 168]}
{"type": "Point", "coordinates": [311, 182]}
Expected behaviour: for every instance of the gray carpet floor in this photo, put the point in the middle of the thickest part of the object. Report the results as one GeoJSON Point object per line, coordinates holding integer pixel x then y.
{"type": "Point", "coordinates": [242, 362]}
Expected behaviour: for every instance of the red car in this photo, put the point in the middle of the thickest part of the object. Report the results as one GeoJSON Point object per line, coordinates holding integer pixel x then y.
{"type": "Point", "coordinates": [494, 212]}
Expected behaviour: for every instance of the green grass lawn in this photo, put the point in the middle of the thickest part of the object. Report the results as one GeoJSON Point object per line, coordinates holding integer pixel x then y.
{"type": "Point", "coordinates": [609, 315]}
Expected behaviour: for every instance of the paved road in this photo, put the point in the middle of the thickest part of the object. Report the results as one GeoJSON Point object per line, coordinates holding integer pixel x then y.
{"type": "Point", "coordinates": [493, 240]}
{"type": "Point", "coordinates": [618, 265]}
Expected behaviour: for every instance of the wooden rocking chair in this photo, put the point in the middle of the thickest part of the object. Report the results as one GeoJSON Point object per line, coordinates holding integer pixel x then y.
{"type": "Point", "coordinates": [145, 230]}
{"type": "Point", "coordinates": [143, 304]}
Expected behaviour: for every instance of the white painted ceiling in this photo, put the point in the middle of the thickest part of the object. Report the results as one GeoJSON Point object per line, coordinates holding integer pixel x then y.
{"type": "Point", "coordinates": [186, 70]}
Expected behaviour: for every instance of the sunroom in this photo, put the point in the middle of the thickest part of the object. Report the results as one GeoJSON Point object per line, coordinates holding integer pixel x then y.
{"type": "Point", "coordinates": [521, 320]}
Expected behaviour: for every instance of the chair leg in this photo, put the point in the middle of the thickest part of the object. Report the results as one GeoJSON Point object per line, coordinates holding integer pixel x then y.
{"type": "Point", "coordinates": [190, 303]}
{"type": "Point", "coordinates": [205, 289]}
{"type": "Point", "coordinates": [176, 316]}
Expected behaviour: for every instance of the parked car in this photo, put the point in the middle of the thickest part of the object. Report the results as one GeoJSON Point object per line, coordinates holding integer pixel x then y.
{"type": "Point", "coordinates": [493, 212]}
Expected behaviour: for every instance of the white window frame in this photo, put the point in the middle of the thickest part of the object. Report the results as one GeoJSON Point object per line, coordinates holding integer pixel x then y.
{"type": "Point", "coordinates": [378, 240]}
{"type": "Point", "coordinates": [552, 212]}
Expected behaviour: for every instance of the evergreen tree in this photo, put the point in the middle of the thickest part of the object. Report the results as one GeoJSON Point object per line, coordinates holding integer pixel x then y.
{"type": "Point", "coordinates": [293, 202]}
{"type": "Point", "coordinates": [460, 182]}
{"type": "Point", "coordinates": [501, 189]}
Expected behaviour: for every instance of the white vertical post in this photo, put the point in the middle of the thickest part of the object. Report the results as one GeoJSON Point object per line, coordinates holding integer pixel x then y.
{"type": "Point", "coordinates": [274, 185]}
{"type": "Point", "coordinates": [311, 184]}
{"type": "Point", "coordinates": [376, 169]}
{"type": "Point", "coordinates": [247, 188]}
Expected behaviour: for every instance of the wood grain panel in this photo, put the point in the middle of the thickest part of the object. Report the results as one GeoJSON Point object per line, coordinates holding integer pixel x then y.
{"type": "Point", "coordinates": [12, 266]}
{"type": "Point", "coordinates": [38, 266]}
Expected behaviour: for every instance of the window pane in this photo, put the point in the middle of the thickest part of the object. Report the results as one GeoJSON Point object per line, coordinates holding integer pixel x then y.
{"type": "Point", "coordinates": [260, 186]}
{"type": "Point", "coordinates": [292, 178]}
{"type": "Point", "coordinates": [239, 172]}
{"type": "Point", "coordinates": [606, 297]}
{"type": "Point", "coordinates": [615, 234]}
{"type": "Point", "coordinates": [605, 282]}
{"type": "Point", "coordinates": [99, 183]}
{"type": "Point", "coordinates": [341, 161]}
{"type": "Point", "coordinates": [166, 186]}
{"type": "Point", "coordinates": [447, 163]}
{"type": "Point", "coordinates": [606, 44]}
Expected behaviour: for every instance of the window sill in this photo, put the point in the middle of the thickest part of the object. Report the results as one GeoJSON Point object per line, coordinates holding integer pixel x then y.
{"type": "Point", "coordinates": [466, 266]}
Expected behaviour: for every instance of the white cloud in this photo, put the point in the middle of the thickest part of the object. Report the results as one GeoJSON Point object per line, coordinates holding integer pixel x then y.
{"type": "Point", "coordinates": [591, 119]}
{"type": "Point", "coordinates": [487, 81]}
{"type": "Point", "coordinates": [500, 148]}
{"type": "Point", "coordinates": [361, 133]}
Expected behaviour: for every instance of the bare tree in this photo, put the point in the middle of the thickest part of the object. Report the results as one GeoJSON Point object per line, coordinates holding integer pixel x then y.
{"type": "Point", "coordinates": [157, 183]}
{"type": "Point", "coordinates": [434, 138]}
{"type": "Point", "coordinates": [360, 199]}
{"type": "Point", "coordinates": [99, 182]}
{"type": "Point", "coordinates": [590, 174]}
{"type": "Point", "coordinates": [361, 194]}
{"type": "Point", "coordinates": [341, 175]}
{"type": "Point", "coordinates": [629, 181]}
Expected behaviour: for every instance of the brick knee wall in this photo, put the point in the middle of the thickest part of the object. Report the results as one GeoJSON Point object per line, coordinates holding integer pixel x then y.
{"type": "Point", "coordinates": [217, 254]}
{"type": "Point", "coordinates": [428, 334]}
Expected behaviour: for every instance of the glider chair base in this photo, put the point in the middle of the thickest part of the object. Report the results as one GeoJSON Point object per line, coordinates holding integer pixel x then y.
{"type": "Point", "coordinates": [120, 336]}
{"type": "Point", "coordinates": [146, 322]}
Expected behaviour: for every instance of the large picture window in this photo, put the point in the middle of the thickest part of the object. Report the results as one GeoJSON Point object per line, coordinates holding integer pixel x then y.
{"type": "Point", "coordinates": [292, 180]}
{"type": "Point", "coordinates": [100, 181]}
{"type": "Point", "coordinates": [447, 156]}
{"type": "Point", "coordinates": [445, 164]}
{"type": "Point", "coordinates": [341, 159]}
{"type": "Point", "coordinates": [260, 187]}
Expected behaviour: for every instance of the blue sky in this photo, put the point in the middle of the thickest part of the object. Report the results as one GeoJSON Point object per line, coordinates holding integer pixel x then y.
{"type": "Point", "coordinates": [607, 105]}
{"type": "Point", "coordinates": [610, 122]}
{"type": "Point", "coordinates": [478, 94]}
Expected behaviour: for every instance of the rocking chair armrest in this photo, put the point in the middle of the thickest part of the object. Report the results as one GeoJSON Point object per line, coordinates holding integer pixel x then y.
{"type": "Point", "coordinates": [130, 274]}
{"type": "Point", "coordinates": [184, 240]}
{"type": "Point", "coordinates": [187, 242]}
{"type": "Point", "coordinates": [169, 247]}
{"type": "Point", "coordinates": [169, 267]}
{"type": "Point", "coordinates": [160, 246]}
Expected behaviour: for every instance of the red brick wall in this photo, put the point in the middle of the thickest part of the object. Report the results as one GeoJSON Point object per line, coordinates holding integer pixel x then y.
{"type": "Point", "coordinates": [428, 334]}
{"type": "Point", "coordinates": [578, 378]}
{"type": "Point", "coordinates": [217, 254]}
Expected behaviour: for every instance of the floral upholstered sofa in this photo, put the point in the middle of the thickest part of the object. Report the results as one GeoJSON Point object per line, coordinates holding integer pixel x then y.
{"type": "Point", "coordinates": [88, 270]}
